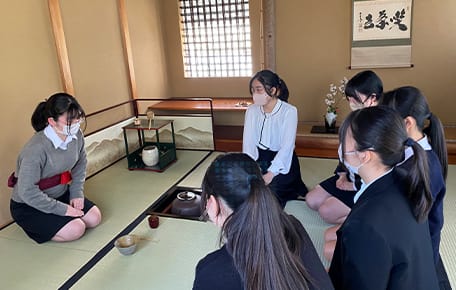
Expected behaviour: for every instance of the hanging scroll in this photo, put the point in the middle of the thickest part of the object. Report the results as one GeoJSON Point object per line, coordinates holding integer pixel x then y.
{"type": "Point", "coordinates": [381, 35]}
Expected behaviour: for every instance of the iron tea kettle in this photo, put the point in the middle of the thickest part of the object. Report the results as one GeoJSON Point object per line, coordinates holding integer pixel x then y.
{"type": "Point", "coordinates": [187, 203]}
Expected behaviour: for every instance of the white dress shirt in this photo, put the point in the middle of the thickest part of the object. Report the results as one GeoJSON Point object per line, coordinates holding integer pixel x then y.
{"type": "Point", "coordinates": [275, 131]}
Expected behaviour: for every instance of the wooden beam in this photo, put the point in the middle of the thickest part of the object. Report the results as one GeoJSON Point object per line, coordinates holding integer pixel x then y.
{"type": "Point", "coordinates": [60, 44]}
{"type": "Point", "coordinates": [127, 48]}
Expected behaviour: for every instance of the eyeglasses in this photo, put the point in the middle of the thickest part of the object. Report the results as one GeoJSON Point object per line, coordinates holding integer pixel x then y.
{"type": "Point", "coordinates": [81, 121]}
{"type": "Point", "coordinates": [358, 99]}
{"type": "Point", "coordinates": [353, 152]}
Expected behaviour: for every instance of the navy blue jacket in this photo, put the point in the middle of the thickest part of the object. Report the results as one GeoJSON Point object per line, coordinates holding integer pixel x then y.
{"type": "Point", "coordinates": [381, 245]}
{"type": "Point", "coordinates": [217, 270]}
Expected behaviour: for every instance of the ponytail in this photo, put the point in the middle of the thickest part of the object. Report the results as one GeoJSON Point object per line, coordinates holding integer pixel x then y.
{"type": "Point", "coordinates": [39, 117]}
{"type": "Point", "coordinates": [264, 243]}
{"type": "Point", "coordinates": [283, 90]}
{"type": "Point", "coordinates": [263, 240]}
{"type": "Point", "coordinates": [438, 143]}
{"type": "Point", "coordinates": [419, 192]}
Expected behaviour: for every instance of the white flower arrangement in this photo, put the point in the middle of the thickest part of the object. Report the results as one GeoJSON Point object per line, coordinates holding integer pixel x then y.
{"type": "Point", "coordinates": [332, 98]}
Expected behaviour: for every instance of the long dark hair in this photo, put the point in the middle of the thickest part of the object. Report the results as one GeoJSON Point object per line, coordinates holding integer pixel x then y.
{"type": "Point", "coordinates": [382, 130]}
{"type": "Point", "coordinates": [367, 83]}
{"type": "Point", "coordinates": [259, 235]}
{"type": "Point", "coordinates": [271, 80]}
{"type": "Point", "coordinates": [57, 105]}
{"type": "Point", "coordinates": [409, 101]}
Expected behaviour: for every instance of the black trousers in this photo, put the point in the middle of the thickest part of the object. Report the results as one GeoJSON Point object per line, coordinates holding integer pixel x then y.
{"type": "Point", "coordinates": [285, 186]}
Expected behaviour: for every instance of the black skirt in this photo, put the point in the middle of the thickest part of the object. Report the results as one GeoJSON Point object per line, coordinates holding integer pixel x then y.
{"type": "Point", "coordinates": [40, 226]}
{"type": "Point", "coordinates": [285, 186]}
{"type": "Point", "coordinates": [345, 196]}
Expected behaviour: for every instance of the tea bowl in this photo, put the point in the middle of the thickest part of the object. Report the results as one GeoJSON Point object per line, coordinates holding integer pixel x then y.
{"type": "Point", "coordinates": [126, 244]}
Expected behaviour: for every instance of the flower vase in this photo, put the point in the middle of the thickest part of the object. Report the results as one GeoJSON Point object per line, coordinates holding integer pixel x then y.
{"type": "Point", "coordinates": [330, 122]}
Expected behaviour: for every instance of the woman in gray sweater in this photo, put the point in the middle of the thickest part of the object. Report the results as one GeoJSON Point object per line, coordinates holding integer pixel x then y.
{"type": "Point", "coordinates": [48, 195]}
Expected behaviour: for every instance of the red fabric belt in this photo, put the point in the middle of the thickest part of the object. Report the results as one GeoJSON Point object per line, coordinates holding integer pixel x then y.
{"type": "Point", "coordinates": [45, 183]}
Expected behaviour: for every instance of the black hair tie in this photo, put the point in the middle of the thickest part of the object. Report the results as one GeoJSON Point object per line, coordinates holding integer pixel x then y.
{"type": "Point", "coordinates": [409, 142]}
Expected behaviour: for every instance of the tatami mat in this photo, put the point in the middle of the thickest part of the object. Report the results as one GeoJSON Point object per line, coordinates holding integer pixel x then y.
{"type": "Point", "coordinates": [195, 178]}
{"type": "Point", "coordinates": [25, 265]}
{"type": "Point", "coordinates": [313, 224]}
{"type": "Point", "coordinates": [167, 256]}
{"type": "Point", "coordinates": [121, 195]}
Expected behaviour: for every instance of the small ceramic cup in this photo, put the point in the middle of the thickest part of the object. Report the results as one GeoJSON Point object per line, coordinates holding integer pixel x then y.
{"type": "Point", "coordinates": [153, 221]}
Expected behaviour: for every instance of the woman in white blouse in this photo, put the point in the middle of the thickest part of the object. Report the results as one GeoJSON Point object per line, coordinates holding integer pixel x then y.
{"type": "Point", "coordinates": [269, 136]}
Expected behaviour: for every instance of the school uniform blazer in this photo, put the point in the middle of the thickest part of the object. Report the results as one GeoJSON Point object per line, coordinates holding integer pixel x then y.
{"type": "Point", "coordinates": [381, 245]}
{"type": "Point", "coordinates": [217, 269]}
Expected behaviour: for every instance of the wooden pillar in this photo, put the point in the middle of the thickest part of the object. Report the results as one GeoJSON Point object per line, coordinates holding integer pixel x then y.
{"type": "Point", "coordinates": [268, 15]}
{"type": "Point", "coordinates": [60, 44]}
{"type": "Point", "coordinates": [126, 42]}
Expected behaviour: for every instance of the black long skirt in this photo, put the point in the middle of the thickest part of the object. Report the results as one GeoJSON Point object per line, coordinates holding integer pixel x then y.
{"type": "Point", "coordinates": [285, 186]}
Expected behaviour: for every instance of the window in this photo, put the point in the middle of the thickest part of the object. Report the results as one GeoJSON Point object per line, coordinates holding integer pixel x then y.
{"type": "Point", "coordinates": [216, 38]}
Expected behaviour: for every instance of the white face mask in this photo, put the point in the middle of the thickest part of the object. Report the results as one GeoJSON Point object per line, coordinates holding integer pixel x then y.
{"type": "Point", "coordinates": [353, 169]}
{"type": "Point", "coordinates": [74, 128]}
{"type": "Point", "coordinates": [260, 99]}
{"type": "Point", "coordinates": [70, 130]}
{"type": "Point", "coordinates": [356, 106]}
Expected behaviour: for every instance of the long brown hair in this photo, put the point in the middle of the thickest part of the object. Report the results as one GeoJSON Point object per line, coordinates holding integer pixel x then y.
{"type": "Point", "coordinates": [259, 235]}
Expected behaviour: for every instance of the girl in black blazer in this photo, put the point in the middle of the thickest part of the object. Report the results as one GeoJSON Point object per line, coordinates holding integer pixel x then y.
{"type": "Point", "coordinates": [384, 243]}
{"type": "Point", "coordinates": [425, 128]}
{"type": "Point", "coordinates": [264, 248]}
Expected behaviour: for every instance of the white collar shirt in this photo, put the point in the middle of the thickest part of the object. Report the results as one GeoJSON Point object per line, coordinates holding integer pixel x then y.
{"type": "Point", "coordinates": [275, 131]}
{"type": "Point", "coordinates": [56, 140]}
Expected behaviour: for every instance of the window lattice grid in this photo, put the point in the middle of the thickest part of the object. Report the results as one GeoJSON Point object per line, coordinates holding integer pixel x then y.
{"type": "Point", "coordinates": [216, 38]}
